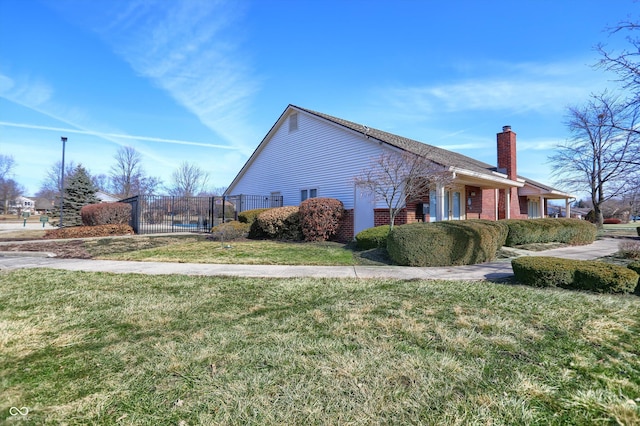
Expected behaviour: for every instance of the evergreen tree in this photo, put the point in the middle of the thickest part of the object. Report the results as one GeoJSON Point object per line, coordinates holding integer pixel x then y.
{"type": "Point", "coordinates": [78, 192]}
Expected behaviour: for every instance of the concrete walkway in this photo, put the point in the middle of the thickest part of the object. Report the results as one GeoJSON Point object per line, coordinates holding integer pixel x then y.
{"type": "Point", "coordinates": [487, 271]}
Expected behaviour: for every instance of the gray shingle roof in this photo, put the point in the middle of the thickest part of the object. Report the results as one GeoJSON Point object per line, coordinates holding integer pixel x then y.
{"type": "Point", "coordinates": [433, 153]}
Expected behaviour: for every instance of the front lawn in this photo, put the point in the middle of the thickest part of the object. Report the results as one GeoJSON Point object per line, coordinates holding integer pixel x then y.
{"type": "Point", "coordinates": [97, 348]}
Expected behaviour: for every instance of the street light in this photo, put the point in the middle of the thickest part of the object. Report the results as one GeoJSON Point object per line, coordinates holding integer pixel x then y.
{"type": "Point", "coordinates": [64, 141]}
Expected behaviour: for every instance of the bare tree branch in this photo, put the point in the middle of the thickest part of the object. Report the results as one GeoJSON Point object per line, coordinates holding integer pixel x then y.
{"type": "Point", "coordinates": [188, 180]}
{"type": "Point", "coordinates": [397, 178]}
{"type": "Point", "coordinates": [601, 155]}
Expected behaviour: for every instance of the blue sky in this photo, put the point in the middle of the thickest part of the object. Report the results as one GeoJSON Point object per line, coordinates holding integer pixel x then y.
{"type": "Point", "coordinates": [203, 81]}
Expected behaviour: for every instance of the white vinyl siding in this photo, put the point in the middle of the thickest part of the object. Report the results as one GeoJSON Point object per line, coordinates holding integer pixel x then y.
{"type": "Point", "coordinates": [318, 154]}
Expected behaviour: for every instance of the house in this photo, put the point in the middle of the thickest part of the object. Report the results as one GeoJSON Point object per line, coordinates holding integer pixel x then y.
{"type": "Point", "coordinates": [310, 154]}
{"type": "Point", "coordinates": [22, 204]}
{"type": "Point", "coordinates": [105, 197]}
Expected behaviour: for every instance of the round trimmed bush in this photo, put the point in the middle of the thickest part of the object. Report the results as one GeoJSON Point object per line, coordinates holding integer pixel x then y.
{"type": "Point", "coordinates": [280, 223]}
{"type": "Point", "coordinates": [320, 218]}
{"type": "Point", "coordinates": [231, 230]}
{"type": "Point", "coordinates": [371, 238]}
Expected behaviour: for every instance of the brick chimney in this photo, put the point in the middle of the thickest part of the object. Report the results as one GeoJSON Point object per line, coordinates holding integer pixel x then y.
{"type": "Point", "coordinates": [507, 153]}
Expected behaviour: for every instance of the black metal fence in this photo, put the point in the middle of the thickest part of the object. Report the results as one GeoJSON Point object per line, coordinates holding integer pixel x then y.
{"type": "Point", "coordinates": [152, 214]}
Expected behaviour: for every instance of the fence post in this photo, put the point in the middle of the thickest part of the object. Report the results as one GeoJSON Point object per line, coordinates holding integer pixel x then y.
{"type": "Point", "coordinates": [212, 212]}
{"type": "Point", "coordinates": [135, 215]}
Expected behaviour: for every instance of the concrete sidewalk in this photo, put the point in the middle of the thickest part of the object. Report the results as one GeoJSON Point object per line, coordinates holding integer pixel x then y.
{"type": "Point", "coordinates": [487, 271]}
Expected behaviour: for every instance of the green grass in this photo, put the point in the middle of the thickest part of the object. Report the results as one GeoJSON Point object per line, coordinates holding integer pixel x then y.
{"type": "Point", "coordinates": [97, 348]}
{"type": "Point", "coordinates": [261, 252]}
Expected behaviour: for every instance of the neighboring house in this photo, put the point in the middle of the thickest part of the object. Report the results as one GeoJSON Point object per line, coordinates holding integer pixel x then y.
{"type": "Point", "coordinates": [23, 204]}
{"type": "Point", "coordinates": [310, 154]}
{"type": "Point", "coordinates": [105, 197]}
{"type": "Point", "coordinates": [44, 205]}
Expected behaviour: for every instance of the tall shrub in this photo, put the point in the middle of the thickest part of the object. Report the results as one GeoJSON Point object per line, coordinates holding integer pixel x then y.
{"type": "Point", "coordinates": [320, 218]}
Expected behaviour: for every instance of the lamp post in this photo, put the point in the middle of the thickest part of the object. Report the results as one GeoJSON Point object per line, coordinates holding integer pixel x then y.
{"type": "Point", "coordinates": [64, 141]}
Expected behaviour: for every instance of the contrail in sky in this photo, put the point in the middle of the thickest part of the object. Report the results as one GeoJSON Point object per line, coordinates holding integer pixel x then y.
{"type": "Point", "coordinates": [116, 135]}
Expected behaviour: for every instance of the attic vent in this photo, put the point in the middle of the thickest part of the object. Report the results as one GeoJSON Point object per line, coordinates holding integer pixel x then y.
{"type": "Point", "coordinates": [293, 122]}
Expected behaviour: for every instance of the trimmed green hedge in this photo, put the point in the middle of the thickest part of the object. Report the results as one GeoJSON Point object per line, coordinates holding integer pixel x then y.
{"type": "Point", "coordinates": [635, 266]}
{"type": "Point", "coordinates": [568, 231]}
{"type": "Point", "coordinates": [543, 271]}
{"type": "Point", "coordinates": [445, 243]}
{"type": "Point", "coordinates": [371, 238]}
{"type": "Point", "coordinates": [249, 216]}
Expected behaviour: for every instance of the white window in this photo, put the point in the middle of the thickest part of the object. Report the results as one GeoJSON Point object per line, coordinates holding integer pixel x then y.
{"type": "Point", "coordinates": [534, 209]}
{"type": "Point", "coordinates": [308, 193]}
{"type": "Point", "coordinates": [293, 122]}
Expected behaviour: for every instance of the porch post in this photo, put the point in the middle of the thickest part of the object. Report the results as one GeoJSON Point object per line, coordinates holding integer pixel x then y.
{"type": "Point", "coordinates": [439, 202]}
{"type": "Point", "coordinates": [543, 210]}
{"type": "Point", "coordinates": [507, 203]}
{"type": "Point", "coordinates": [496, 195]}
{"type": "Point", "coordinates": [567, 208]}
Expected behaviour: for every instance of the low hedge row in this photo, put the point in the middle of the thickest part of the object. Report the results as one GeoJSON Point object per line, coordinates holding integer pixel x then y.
{"type": "Point", "coordinates": [543, 271]}
{"type": "Point", "coordinates": [89, 231]}
{"type": "Point", "coordinates": [568, 231]}
{"type": "Point", "coordinates": [445, 243]}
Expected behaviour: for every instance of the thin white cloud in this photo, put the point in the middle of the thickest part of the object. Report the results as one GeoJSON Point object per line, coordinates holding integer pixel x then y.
{"type": "Point", "coordinates": [31, 92]}
{"type": "Point", "coordinates": [115, 135]}
{"type": "Point", "coordinates": [519, 88]}
{"type": "Point", "coordinates": [190, 50]}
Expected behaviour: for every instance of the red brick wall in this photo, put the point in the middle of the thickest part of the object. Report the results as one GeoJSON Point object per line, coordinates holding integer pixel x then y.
{"type": "Point", "coordinates": [507, 152]}
{"type": "Point", "coordinates": [488, 204]}
{"type": "Point", "coordinates": [345, 230]}
{"type": "Point", "coordinates": [381, 217]}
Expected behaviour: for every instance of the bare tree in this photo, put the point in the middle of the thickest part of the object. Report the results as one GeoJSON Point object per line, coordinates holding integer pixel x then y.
{"type": "Point", "coordinates": [7, 163]}
{"type": "Point", "coordinates": [128, 178]}
{"type": "Point", "coordinates": [626, 62]}
{"type": "Point", "coordinates": [188, 180]}
{"type": "Point", "coordinates": [599, 158]}
{"type": "Point", "coordinates": [9, 191]}
{"type": "Point", "coordinates": [51, 186]}
{"type": "Point", "coordinates": [400, 177]}
{"type": "Point", "coordinates": [126, 172]}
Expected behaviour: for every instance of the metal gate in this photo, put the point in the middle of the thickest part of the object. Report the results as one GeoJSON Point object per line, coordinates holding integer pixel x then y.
{"type": "Point", "coordinates": [151, 214]}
